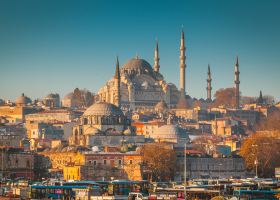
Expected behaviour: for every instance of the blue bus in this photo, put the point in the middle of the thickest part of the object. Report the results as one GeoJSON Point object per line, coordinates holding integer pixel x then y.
{"type": "Point", "coordinates": [257, 194]}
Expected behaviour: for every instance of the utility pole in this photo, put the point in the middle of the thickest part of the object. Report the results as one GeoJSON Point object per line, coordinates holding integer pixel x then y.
{"type": "Point", "coordinates": [185, 172]}
{"type": "Point", "coordinates": [2, 165]}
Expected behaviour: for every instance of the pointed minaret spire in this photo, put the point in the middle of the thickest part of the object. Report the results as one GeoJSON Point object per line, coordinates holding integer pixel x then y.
{"type": "Point", "coordinates": [182, 65]}
{"type": "Point", "coordinates": [209, 84]}
{"type": "Point", "coordinates": [118, 84]}
{"type": "Point", "coordinates": [237, 82]}
{"type": "Point", "coordinates": [117, 72]}
{"type": "Point", "coordinates": [156, 59]}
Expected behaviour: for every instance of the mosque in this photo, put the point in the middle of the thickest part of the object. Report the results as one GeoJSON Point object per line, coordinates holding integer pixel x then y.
{"type": "Point", "coordinates": [138, 85]}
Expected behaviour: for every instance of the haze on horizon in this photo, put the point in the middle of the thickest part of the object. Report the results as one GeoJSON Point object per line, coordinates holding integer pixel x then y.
{"type": "Point", "coordinates": [56, 46]}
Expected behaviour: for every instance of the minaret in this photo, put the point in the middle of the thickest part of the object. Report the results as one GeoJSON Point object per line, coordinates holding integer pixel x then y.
{"type": "Point", "coordinates": [156, 59]}
{"type": "Point", "coordinates": [209, 85]}
{"type": "Point", "coordinates": [182, 66]}
{"type": "Point", "coordinates": [118, 84]}
{"type": "Point", "coordinates": [236, 82]}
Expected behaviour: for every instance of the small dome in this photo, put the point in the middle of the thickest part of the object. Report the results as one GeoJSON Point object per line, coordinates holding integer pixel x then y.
{"type": "Point", "coordinates": [137, 64]}
{"type": "Point", "coordinates": [52, 96]}
{"type": "Point", "coordinates": [92, 131]}
{"type": "Point", "coordinates": [168, 131]}
{"type": "Point", "coordinates": [103, 109]}
{"type": "Point", "coordinates": [161, 106]}
{"type": "Point", "coordinates": [23, 100]}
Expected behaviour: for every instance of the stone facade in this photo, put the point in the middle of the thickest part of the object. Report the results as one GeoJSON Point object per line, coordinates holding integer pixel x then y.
{"type": "Point", "coordinates": [141, 87]}
{"type": "Point", "coordinates": [16, 163]}
{"type": "Point", "coordinates": [105, 166]}
{"type": "Point", "coordinates": [199, 167]}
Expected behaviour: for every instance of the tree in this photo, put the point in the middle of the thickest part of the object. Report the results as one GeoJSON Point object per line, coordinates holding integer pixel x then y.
{"type": "Point", "coordinates": [248, 100]}
{"type": "Point", "coordinates": [224, 97]}
{"type": "Point", "coordinates": [268, 99]}
{"type": "Point", "coordinates": [271, 123]}
{"type": "Point", "coordinates": [262, 149]}
{"type": "Point", "coordinates": [159, 161]}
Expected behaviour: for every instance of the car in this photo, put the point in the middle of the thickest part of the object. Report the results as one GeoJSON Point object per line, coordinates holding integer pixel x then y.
{"type": "Point", "coordinates": [136, 196]}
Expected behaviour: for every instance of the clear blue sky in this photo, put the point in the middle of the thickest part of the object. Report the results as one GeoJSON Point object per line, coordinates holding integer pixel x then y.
{"type": "Point", "coordinates": [56, 45]}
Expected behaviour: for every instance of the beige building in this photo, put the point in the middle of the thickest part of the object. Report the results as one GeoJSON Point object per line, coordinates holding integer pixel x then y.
{"type": "Point", "coordinates": [63, 156]}
{"type": "Point", "coordinates": [12, 135]}
{"type": "Point", "coordinates": [224, 126]}
{"type": "Point", "coordinates": [54, 115]}
{"type": "Point", "coordinates": [16, 163]}
{"type": "Point", "coordinates": [17, 112]}
{"type": "Point", "coordinates": [106, 166]}
{"type": "Point", "coordinates": [41, 130]}
{"type": "Point", "coordinates": [194, 114]}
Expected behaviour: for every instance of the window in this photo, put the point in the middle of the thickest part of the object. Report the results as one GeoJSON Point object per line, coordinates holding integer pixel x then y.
{"type": "Point", "coordinates": [120, 162]}
{"type": "Point", "coordinates": [27, 163]}
{"type": "Point", "coordinates": [104, 162]}
{"type": "Point", "coordinates": [94, 162]}
{"type": "Point", "coordinates": [130, 161]}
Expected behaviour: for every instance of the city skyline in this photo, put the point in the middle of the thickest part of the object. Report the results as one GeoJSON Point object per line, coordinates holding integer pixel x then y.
{"type": "Point", "coordinates": [58, 46]}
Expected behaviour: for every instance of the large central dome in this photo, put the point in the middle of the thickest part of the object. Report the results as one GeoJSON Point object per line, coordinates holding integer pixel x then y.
{"type": "Point", "coordinates": [103, 109]}
{"type": "Point", "coordinates": [137, 65]}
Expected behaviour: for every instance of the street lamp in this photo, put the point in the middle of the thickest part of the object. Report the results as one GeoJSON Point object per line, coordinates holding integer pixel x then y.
{"type": "Point", "coordinates": [256, 159]}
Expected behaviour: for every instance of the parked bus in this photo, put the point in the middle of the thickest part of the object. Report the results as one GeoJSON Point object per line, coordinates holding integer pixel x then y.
{"type": "Point", "coordinates": [124, 187]}
{"type": "Point", "coordinates": [257, 194]}
{"type": "Point", "coordinates": [60, 192]}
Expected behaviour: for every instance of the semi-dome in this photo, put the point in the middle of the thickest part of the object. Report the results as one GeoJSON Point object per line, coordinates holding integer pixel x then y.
{"type": "Point", "coordinates": [23, 100]}
{"type": "Point", "coordinates": [103, 109]}
{"type": "Point", "coordinates": [137, 65]}
{"type": "Point", "coordinates": [92, 131]}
